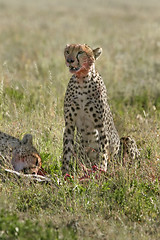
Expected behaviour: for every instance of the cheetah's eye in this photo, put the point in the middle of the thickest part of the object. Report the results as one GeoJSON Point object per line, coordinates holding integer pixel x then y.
{"type": "Point", "coordinates": [80, 52]}
{"type": "Point", "coordinates": [67, 52]}
{"type": "Point", "coordinates": [37, 162]}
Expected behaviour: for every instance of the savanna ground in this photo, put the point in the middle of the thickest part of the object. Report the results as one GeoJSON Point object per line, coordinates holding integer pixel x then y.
{"type": "Point", "coordinates": [33, 79]}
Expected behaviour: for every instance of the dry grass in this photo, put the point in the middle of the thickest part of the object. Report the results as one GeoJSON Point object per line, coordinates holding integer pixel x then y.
{"type": "Point", "coordinates": [33, 79]}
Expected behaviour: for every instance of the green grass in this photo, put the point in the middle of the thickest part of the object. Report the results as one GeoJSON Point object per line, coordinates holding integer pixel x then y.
{"type": "Point", "coordinates": [33, 80]}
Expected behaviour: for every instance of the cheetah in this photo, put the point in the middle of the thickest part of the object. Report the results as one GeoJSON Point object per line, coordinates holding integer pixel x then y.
{"type": "Point", "coordinates": [87, 113]}
{"type": "Point", "coordinates": [20, 153]}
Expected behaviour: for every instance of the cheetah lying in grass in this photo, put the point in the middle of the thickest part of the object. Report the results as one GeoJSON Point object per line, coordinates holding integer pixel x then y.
{"type": "Point", "coordinates": [20, 153]}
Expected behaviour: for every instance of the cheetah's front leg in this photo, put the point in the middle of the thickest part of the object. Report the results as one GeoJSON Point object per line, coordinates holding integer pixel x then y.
{"type": "Point", "coordinates": [68, 147]}
{"type": "Point", "coordinates": [104, 144]}
{"type": "Point", "coordinates": [103, 138]}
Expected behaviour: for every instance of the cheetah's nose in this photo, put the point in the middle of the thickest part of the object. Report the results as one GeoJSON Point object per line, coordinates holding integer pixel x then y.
{"type": "Point", "coordinates": [70, 60]}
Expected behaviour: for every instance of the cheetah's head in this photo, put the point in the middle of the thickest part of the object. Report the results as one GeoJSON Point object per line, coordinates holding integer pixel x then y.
{"type": "Point", "coordinates": [25, 157]}
{"type": "Point", "coordinates": [80, 57]}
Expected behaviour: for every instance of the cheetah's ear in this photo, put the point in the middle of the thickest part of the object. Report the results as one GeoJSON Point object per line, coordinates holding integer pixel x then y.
{"type": "Point", "coordinates": [97, 52]}
{"type": "Point", "coordinates": [27, 139]}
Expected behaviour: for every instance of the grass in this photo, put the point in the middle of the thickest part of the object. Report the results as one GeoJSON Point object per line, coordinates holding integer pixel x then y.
{"type": "Point", "coordinates": [33, 80]}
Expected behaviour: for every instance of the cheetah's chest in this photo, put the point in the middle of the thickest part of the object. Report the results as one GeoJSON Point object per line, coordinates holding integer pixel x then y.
{"type": "Point", "coordinates": [84, 120]}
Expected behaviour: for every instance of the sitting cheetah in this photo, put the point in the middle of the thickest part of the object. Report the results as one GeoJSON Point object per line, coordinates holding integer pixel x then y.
{"type": "Point", "coordinates": [21, 153]}
{"type": "Point", "coordinates": [86, 109]}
